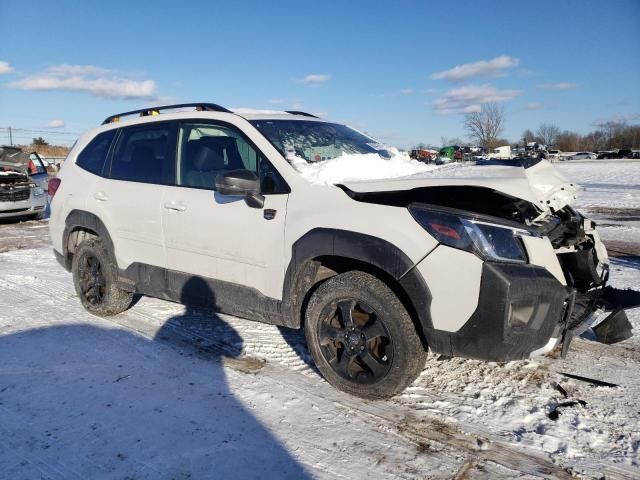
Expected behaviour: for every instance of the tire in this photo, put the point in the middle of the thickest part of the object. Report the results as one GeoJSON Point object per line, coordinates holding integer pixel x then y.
{"type": "Point", "coordinates": [95, 276]}
{"type": "Point", "coordinates": [361, 337]}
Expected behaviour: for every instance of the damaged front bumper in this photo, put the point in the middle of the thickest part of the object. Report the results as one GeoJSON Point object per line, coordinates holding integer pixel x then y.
{"type": "Point", "coordinates": [583, 310]}
{"type": "Point", "coordinates": [522, 311]}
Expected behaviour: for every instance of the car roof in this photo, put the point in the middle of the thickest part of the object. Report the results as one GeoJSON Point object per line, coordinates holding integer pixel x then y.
{"type": "Point", "coordinates": [253, 114]}
{"type": "Point", "coordinates": [161, 112]}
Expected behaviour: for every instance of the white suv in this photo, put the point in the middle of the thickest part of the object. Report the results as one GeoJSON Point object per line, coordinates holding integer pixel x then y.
{"type": "Point", "coordinates": [203, 206]}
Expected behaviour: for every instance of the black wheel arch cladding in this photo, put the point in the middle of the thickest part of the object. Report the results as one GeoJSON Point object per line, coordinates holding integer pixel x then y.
{"type": "Point", "coordinates": [81, 219]}
{"type": "Point", "coordinates": [353, 246]}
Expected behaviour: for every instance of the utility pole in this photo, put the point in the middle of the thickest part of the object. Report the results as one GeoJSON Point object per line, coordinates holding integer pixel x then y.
{"type": "Point", "coordinates": [10, 137]}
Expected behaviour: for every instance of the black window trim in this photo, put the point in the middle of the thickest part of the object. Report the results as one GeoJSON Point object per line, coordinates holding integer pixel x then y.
{"type": "Point", "coordinates": [285, 190]}
{"type": "Point", "coordinates": [170, 148]}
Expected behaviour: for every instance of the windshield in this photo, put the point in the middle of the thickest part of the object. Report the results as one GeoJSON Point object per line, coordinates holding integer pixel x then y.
{"type": "Point", "coordinates": [316, 141]}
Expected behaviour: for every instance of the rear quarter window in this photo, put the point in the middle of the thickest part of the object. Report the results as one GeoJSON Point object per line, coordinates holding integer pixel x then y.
{"type": "Point", "coordinates": [93, 156]}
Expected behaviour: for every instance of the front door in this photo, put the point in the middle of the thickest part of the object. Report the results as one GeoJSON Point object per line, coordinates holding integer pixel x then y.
{"type": "Point", "coordinates": [221, 237]}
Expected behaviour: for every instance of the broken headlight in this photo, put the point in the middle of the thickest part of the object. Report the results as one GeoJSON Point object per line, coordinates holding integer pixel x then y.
{"type": "Point", "coordinates": [489, 240]}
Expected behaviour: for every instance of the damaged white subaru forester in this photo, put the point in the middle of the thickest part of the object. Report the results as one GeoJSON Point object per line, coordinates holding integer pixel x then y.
{"type": "Point", "coordinates": [199, 204]}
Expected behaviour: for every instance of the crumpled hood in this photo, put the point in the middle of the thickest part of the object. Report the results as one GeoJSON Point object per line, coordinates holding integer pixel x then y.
{"type": "Point", "coordinates": [540, 184]}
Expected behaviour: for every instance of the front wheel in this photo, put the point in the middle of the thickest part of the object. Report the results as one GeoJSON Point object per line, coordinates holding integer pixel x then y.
{"type": "Point", "coordinates": [361, 337]}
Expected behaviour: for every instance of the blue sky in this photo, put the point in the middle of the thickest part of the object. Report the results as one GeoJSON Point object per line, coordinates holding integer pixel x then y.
{"type": "Point", "coordinates": [384, 67]}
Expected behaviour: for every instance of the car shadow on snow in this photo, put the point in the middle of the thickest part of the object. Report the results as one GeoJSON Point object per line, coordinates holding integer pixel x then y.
{"type": "Point", "coordinates": [82, 401]}
{"type": "Point", "coordinates": [296, 341]}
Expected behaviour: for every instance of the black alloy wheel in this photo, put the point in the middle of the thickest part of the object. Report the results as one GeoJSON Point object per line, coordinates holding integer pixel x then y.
{"type": "Point", "coordinates": [355, 341]}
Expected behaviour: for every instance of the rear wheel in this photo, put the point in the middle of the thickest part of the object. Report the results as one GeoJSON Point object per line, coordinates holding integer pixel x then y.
{"type": "Point", "coordinates": [361, 337]}
{"type": "Point", "coordinates": [95, 276]}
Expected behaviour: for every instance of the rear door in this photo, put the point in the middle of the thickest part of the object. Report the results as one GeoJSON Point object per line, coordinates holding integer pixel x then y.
{"type": "Point", "coordinates": [129, 197]}
{"type": "Point", "coordinates": [217, 236]}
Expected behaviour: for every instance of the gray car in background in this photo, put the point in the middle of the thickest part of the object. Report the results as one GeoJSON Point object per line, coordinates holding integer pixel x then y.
{"type": "Point", "coordinates": [23, 183]}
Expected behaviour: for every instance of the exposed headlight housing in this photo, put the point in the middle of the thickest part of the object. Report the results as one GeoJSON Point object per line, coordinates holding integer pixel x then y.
{"type": "Point", "coordinates": [37, 191]}
{"type": "Point", "coordinates": [499, 242]}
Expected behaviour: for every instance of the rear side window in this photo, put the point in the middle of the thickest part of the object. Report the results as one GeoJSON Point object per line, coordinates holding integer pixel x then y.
{"type": "Point", "coordinates": [143, 154]}
{"type": "Point", "coordinates": [95, 153]}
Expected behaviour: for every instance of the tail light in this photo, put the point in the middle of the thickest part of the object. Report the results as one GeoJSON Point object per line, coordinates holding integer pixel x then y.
{"type": "Point", "coordinates": [54, 184]}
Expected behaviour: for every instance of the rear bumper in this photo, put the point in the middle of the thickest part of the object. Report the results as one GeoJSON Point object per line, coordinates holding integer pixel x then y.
{"type": "Point", "coordinates": [521, 308]}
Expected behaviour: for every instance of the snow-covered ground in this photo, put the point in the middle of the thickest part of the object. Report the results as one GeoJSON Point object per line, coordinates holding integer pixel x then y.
{"type": "Point", "coordinates": [166, 391]}
{"type": "Point", "coordinates": [611, 195]}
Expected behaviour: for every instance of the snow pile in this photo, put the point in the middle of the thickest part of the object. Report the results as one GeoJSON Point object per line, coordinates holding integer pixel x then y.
{"type": "Point", "coordinates": [367, 166]}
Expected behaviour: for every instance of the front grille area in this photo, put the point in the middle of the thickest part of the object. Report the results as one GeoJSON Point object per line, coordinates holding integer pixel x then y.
{"type": "Point", "coordinates": [15, 210]}
{"type": "Point", "coordinates": [14, 195]}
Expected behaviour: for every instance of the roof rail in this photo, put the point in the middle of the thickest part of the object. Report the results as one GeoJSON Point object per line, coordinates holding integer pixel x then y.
{"type": "Point", "coordinates": [297, 112]}
{"type": "Point", "coordinates": [208, 107]}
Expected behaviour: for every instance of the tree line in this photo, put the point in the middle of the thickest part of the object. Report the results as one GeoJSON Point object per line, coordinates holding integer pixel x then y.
{"type": "Point", "coordinates": [608, 136]}
{"type": "Point", "coordinates": [485, 126]}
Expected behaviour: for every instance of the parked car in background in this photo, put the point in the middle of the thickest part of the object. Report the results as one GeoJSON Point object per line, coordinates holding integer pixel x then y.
{"type": "Point", "coordinates": [23, 184]}
{"type": "Point", "coordinates": [582, 156]}
{"type": "Point", "coordinates": [553, 155]}
{"type": "Point", "coordinates": [622, 153]}
{"type": "Point", "coordinates": [423, 154]}
{"type": "Point", "coordinates": [452, 152]}
{"type": "Point", "coordinates": [501, 153]}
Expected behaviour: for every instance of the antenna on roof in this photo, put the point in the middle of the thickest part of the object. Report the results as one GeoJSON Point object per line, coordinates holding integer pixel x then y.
{"type": "Point", "coordinates": [201, 107]}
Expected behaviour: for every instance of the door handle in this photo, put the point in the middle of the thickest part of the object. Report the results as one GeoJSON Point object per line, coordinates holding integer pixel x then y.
{"type": "Point", "coordinates": [176, 207]}
{"type": "Point", "coordinates": [101, 197]}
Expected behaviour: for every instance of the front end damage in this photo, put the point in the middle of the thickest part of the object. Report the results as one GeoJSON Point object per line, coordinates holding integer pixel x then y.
{"type": "Point", "coordinates": [585, 264]}
{"type": "Point", "coordinates": [523, 309]}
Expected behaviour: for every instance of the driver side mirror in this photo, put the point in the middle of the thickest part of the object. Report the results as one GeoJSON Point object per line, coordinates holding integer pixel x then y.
{"type": "Point", "coordinates": [241, 183]}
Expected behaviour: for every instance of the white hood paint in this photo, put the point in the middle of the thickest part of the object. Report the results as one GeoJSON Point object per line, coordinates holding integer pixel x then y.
{"type": "Point", "coordinates": [541, 184]}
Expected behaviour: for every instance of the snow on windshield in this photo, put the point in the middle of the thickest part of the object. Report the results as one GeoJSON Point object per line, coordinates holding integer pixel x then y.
{"type": "Point", "coordinates": [366, 166]}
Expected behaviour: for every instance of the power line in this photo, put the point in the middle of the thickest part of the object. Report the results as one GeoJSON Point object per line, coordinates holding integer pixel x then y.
{"type": "Point", "coordinates": [49, 132]}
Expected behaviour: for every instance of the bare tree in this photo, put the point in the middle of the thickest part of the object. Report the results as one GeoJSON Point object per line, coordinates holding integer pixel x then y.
{"type": "Point", "coordinates": [528, 136]}
{"type": "Point", "coordinates": [568, 141]}
{"type": "Point", "coordinates": [594, 141]}
{"type": "Point", "coordinates": [485, 125]}
{"type": "Point", "coordinates": [614, 131]}
{"type": "Point", "coordinates": [447, 141]}
{"type": "Point", "coordinates": [548, 133]}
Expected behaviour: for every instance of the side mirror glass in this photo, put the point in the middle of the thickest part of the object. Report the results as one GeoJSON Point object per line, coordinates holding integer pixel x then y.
{"type": "Point", "coordinates": [240, 183]}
